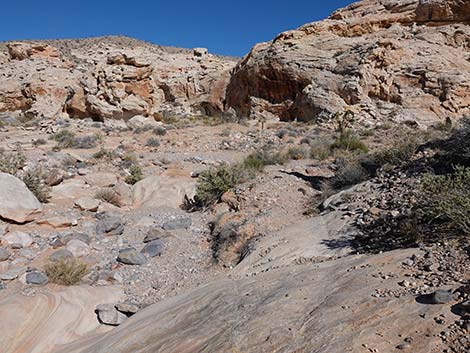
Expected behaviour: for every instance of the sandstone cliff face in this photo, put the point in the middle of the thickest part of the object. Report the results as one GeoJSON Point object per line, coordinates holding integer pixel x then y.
{"type": "Point", "coordinates": [401, 59]}
{"type": "Point", "coordinates": [110, 79]}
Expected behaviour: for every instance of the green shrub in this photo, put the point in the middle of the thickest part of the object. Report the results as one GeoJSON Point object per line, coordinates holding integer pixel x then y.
{"type": "Point", "coordinates": [447, 198]}
{"type": "Point", "coordinates": [152, 142]}
{"type": "Point", "coordinates": [103, 154]}
{"type": "Point", "coordinates": [159, 131]}
{"type": "Point", "coordinates": [35, 181]}
{"type": "Point", "coordinates": [401, 152]}
{"type": "Point", "coordinates": [64, 138]}
{"type": "Point", "coordinates": [11, 163]}
{"type": "Point", "coordinates": [296, 153]}
{"type": "Point", "coordinates": [213, 183]}
{"type": "Point", "coordinates": [258, 160]}
{"type": "Point", "coordinates": [348, 141]}
{"type": "Point", "coordinates": [135, 174]}
{"type": "Point", "coordinates": [109, 195]}
{"type": "Point", "coordinates": [350, 172]}
{"type": "Point", "coordinates": [66, 272]}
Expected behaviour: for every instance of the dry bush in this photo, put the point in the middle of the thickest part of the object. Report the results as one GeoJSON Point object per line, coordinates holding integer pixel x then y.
{"type": "Point", "coordinates": [66, 272]}
{"type": "Point", "coordinates": [110, 196]}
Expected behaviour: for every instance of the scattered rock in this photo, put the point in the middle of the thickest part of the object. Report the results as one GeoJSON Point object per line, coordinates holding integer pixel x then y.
{"type": "Point", "coordinates": [179, 223]}
{"type": "Point", "coordinates": [127, 308]}
{"type": "Point", "coordinates": [24, 207]}
{"type": "Point", "coordinates": [101, 179]}
{"type": "Point", "coordinates": [61, 255]}
{"type": "Point", "coordinates": [18, 237]}
{"type": "Point", "coordinates": [4, 254]}
{"type": "Point", "coordinates": [80, 236]}
{"type": "Point", "coordinates": [131, 256]}
{"type": "Point", "coordinates": [78, 248]}
{"type": "Point", "coordinates": [12, 274]}
{"type": "Point", "coordinates": [36, 277]}
{"type": "Point", "coordinates": [441, 297]}
{"type": "Point", "coordinates": [110, 226]}
{"type": "Point", "coordinates": [109, 315]}
{"type": "Point", "coordinates": [87, 204]}
{"type": "Point", "coordinates": [154, 248]}
{"type": "Point", "coordinates": [156, 233]}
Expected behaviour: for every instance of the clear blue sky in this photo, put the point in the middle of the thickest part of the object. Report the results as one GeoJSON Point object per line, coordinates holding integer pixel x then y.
{"type": "Point", "coordinates": [229, 27]}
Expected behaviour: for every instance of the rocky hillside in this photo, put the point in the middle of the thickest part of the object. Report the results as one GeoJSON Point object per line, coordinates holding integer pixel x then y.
{"type": "Point", "coordinates": [132, 221]}
{"type": "Point", "coordinates": [109, 77]}
{"type": "Point", "coordinates": [383, 59]}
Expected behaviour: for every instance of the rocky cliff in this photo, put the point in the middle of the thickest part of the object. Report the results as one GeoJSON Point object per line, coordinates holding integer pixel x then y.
{"type": "Point", "coordinates": [396, 59]}
{"type": "Point", "coordinates": [109, 78]}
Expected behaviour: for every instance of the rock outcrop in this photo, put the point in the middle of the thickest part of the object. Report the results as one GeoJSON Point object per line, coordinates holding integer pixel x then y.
{"type": "Point", "coordinates": [110, 78]}
{"type": "Point", "coordinates": [402, 60]}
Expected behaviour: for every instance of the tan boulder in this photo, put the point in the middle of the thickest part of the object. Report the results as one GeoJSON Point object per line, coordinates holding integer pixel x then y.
{"type": "Point", "coordinates": [17, 203]}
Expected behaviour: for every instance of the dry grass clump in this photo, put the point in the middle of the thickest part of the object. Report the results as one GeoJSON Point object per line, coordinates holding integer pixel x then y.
{"type": "Point", "coordinates": [66, 272]}
{"type": "Point", "coordinates": [110, 196]}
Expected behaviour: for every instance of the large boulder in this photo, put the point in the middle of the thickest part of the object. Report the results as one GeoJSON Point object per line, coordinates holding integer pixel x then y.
{"type": "Point", "coordinates": [156, 191]}
{"type": "Point", "coordinates": [17, 203]}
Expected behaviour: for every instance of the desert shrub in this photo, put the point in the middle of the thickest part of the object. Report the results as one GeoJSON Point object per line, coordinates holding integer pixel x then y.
{"type": "Point", "coordinates": [86, 142]}
{"type": "Point", "coordinates": [135, 174]}
{"type": "Point", "coordinates": [141, 129]}
{"type": "Point", "coordinates": [152, 142]}
{"type": "Point", "coordinates": [320, 152]}
{"type": "Point", "coordinates": [296, 153]}
{"type": "Point", "coordinates": [287, 131]}
{"type": "Point", "coordinates": [447, 198]}
{"type": "Point", "coordinates": [109, 195]}
{"type": "Point", "coordinates": [213, 183]}
{"type": "Point", "coordinates": [258, 160]}
{"type": "Point", "coordinates": [401, 152]}
{"type": "Point", "coordinates": [159, 131]}
{"type": "Point", "coordinates": [350, 172]}
{"type": "Point", "coordinates": [66, 272]}
{"type": "Point", "coordinates": [64, 138]}
{"type": "Point", "coordinates": [35, 181]}
{"type": "Point", "coordinates": [456, 149]}
{"type": "Point", "coordinates": [39, 142]}
{"type": "Point", "coordinates": [103, 154]}
{"type": "Point", "coordinates": [12, 162]}
{"type": "Point", "coordinates": [128, 160]}
{"type": "Point", "coordinates": [348, 141]}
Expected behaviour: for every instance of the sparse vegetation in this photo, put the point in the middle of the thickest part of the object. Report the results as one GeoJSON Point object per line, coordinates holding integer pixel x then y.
{"type": "Point", "coordinates": [39, 142]}
{"type": "Point", "coordinates": [152, 142]}
{"type": "Point", "coordinates": [159, 131]}
{"type": "Point", "coordinates": [212, 184]}
{"type": "Point", "coordinates": [35, 181]}
{"type": "Point", "coordinates": [446, 198]}
{"type": "Point", "coordinates": [348, 141]}
{"type": "Point", "coordinates": [66, 139]}
{"type": "Point", "coordinates": [103, 154]}
{"type": "Point", "coordinates": [297, 153]}
{"type": "Point", "coordinates": [66, 272]}
{"type": "Point", "coordinates": [350, 172]}
{"type": "Point", "coordinates": [258, 160]}
{"type": "Point", "coordinates": [109, 195]}
{"type": "Point", "coordinates": [135, 174]}
{"type": "Point", "coordinates": [401, 152]}
{"type": "Point", "coordinates": [12, 162]}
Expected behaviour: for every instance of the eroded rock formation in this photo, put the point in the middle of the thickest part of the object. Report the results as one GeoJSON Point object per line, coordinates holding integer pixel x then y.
{"type": "Point", "coordinates": [405, 60]}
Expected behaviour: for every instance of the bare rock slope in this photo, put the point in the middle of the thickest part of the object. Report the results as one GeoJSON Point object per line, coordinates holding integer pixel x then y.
{"type": "Point", "coordinates": [405, 60]}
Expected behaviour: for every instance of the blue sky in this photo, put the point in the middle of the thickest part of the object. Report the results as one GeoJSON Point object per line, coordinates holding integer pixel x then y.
{"type": "Point", "coordinates": [225, 27]}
